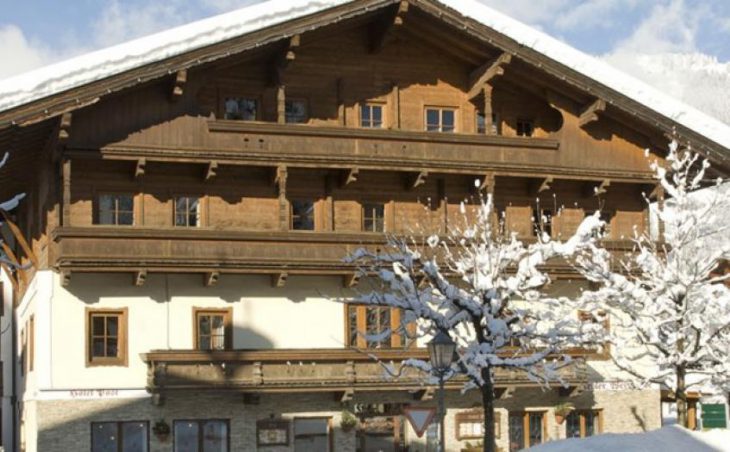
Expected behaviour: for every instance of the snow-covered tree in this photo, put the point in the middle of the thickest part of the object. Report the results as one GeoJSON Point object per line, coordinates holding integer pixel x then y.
{"type": "Point", "coordinates": [484, 289]}
{"type": "Point", "coordinates": [668, 299]}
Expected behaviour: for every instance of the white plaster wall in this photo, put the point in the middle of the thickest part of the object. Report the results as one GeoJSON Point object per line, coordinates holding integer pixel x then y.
{"type": "Point", "coordinates": [160, 317]}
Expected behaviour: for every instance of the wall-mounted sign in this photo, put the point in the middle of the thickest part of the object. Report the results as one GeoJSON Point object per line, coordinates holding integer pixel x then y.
{"type": "Point", "coordinates": [272, 432]}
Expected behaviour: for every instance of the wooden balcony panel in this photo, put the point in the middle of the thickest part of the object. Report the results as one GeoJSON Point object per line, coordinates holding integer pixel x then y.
{"type": "Point", "coordinates": [308, 370]}
{"type": "Point", "coordinates": [184, 250]}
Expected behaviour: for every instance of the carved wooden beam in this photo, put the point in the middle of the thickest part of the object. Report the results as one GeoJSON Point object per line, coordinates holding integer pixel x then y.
{"type": "Point", "coordinates": [570, 391]}
{"type": "Point", "coordinates": [349, 177]}
{"type": "Point", "coordinates": [416, 180]}
{"type": "Point", "coordinates": [487, 183]}
{"type": "Point", "coordinates": [22, 276]}
{"type": "Point", "coordinates": [11, 276]}
{"type": "Point", "coordinates": [279, 279]}
{"type": "Point", "coordinates": [65, 277]}
{"type": "Point", "coordinates": [211, 171]}
{"type": "Point", "coordinates": [281, 104]}
{"type": "Point", "coordinates": [285, 59]}
{"type": "Point", "coordinates": [20, 239]}
{"type": "Point", "coordinates": [590, 113]}
{"type": "Point", "coordinates": [344, 396]}
{"type": "Point", "coordinates": [140, 168]}
{"type": "Point", "coordinates": [66, 192]}
{"type": "Point", "coordinates": [211, 278]}
{"type": "Point", "coordinates": [383, 31]}
{"type": "Point", "coordinates": [540, 185]}
{"type": "Point", "coordinates": [64, 129]}
{"type": "Point", "coordinates": [181, 77]}
{"type": "Point", "coordinates": [140, 276]}
{"type": "Point", "coordinates": [591, 189]}
{"type": "Point", "coordinates": [487, 73]}
{"type": "Point", "coordinates": [351, 280]}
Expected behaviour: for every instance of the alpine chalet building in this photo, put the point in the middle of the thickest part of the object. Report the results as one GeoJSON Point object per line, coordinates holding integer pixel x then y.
{"type": "Point", "coordinates": [190, 196]}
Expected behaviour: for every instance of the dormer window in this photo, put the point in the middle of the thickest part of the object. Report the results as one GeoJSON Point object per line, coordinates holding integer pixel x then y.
{"type": "Point", "coordinates": [440, 119]}
{"type": "Point", "coordinates": [371, 116]}
{"type": "Point", "coordinates": [241, 108]}
{"type": "Point", "coordinates": [525, 127]}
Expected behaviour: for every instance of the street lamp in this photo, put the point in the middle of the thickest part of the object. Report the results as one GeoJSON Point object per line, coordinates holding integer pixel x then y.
{"type": "Point", "coordinates": [441, 351]}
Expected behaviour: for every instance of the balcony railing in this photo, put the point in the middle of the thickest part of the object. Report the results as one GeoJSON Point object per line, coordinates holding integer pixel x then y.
{"type": "Point", "coordinates": [292, 370]}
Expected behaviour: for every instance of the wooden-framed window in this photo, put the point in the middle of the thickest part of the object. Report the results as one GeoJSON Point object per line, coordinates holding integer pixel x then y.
{"type": "Point", "coordinates": [364, 323]}
{"type": "Point", "coordinates": [583, 423]}
{"type": "Point", "coordinates": [470, 425]}
{"type": "Point", "coordinates": [312, 433]}
{"type": "Point", "coordinates": [213, 329]}
{"type": "Point", "coordinates": [373, 217]}
{"type": "Point", "coordinates": [440, 119]}
{"type": "Point", "coordinates": [542, 221]}
{"type": "Point", "coordinates": [209, 435]}
{"type": "Point", "coordinates": [115, 209]}
{"type": "Point", "coordinates": [241, 108]}
{"type": "Point", "coordinates": [187, 211]}
{"type": "Point", "coordinates": [525, 127]}
{"type": "Point", "coordinates": [482, 124]}
{"type": "Point", "coordinates": [371, 115]}
{"type": "Point", "coordinates": [302, 215]}
{"type": "Point", "coordinates": [120, 436]}
{"type": "Point", "coordinates": [295, 111]}
{"type": "Point", "coordinates": [106, 333]}
{"type": "Point", "coordinates": [526, 429]}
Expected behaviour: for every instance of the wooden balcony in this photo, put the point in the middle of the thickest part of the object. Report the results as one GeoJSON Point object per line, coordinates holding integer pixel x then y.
{"type": "Point", "coordinates": [308, 370]}
{"type": "Point", "coordinates": [265, 144]}
{"type": "Point", "coordinates": [105, 248]}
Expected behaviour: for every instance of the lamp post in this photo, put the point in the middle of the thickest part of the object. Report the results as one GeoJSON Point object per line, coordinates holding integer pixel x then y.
{"type": "Point", "coordinates": [441, 351]}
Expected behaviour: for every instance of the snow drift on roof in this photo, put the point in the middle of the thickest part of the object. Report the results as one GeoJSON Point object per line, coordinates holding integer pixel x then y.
{"type": "Point", "coordinates": [114, 60]}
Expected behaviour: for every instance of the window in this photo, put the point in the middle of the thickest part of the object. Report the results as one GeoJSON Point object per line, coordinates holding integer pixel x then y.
{"type": "Point", "coordinates": [295, 111]}
{"type": "Point", "coordinates": [440, 120]}
{"type": "Point", "coordinates": [542, 221]}
{"type": "Point", "coordinates": [302, 215]}
{"type": "Point", "coordinates": [365, 321]}
{"type": "Point", "coordinates": [119, 436]}
{"type": "Point", "coordinates": [582, 423]}
{"type": "Point", "coordinates": [526, 430]}
{"type": "Point", "coordinates": [107, 337]}
{"type": "Point", "coordinates": [242, 108]}
{"type": "Point", "coordinates": [470, 425]}
{"type": "Point", "coordinates": [213, 329]}
{"type": "Point", "coordinates": [200, 436]}
{"type": "Point", "coordinates": [311, 434]}
{"type": "Point", "coordinates": [525, 127]}
{"type": "Point", "coordinates": [371, 116]}
{"type": "Point", "coordinates": [373, 217]}
{"type": "Point", "coordinates": [116, 209]}
{"type": "Point", "coordinates": [187, 211]}
{"type": "Point", "coordinates": [482, 124]}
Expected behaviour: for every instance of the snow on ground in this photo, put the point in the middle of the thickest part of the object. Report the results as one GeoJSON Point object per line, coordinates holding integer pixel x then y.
{"type": "Point", "coordinates": [667, 439]}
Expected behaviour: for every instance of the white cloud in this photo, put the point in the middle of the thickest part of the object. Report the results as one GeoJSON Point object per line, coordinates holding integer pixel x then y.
{"type": "Point", "coordinates": [18, 53]}
{"type": "Point", "coordinates": [592, 14]}
{"type": "Point", "coordinates": [118, 24]}
{"type": "Point", "coordinates": [227, 5]}
{"type": "Point", "coordinates": [530, 11]}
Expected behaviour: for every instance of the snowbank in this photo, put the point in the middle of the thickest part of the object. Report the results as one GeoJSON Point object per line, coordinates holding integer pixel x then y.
{"type": "Point", "coordinates": [666, 439]}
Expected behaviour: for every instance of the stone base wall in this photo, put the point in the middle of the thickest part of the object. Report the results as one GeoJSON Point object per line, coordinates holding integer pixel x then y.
{"type": "Point", "coordinates": [64, 425]}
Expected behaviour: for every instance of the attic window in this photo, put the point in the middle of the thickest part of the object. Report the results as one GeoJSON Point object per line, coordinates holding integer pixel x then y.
{"type": "Point", "coordinates": [371, 116]}
{"type": "Point", "coordinates": [525, 127]}
{"type": "Point", "coordinates": [242, 108]}
{"type": "Point", "coordinates": [440, 119]}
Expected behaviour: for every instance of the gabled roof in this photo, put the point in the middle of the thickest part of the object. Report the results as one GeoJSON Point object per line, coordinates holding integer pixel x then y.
{"type": "Point", "coordinates": [535, 47]}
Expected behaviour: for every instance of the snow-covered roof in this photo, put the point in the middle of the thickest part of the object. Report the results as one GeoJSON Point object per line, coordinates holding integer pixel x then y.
{"type": "Point", "coordinates": [84, 69]}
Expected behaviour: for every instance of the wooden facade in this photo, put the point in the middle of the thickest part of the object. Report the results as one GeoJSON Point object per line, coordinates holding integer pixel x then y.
{"type": "Point", "coordinates": [546, 141]}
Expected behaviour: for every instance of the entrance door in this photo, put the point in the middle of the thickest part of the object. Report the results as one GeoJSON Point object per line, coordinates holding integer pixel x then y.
{"type": "Point", "coordinates": [381, 434]}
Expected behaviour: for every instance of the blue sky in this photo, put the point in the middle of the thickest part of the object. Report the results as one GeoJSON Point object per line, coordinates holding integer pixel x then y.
{"type": "Point", "coordinates": [623, 32]}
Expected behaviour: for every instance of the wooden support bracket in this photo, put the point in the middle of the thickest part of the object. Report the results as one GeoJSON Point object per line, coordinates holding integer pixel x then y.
{"type": "Point", "coordinates": [19, 238]}
{"type": "Point", "coordinates": [486, 73]}
{"type": "Point", "coordinates": [284, 59]}
{"type": "Point", "coordinates": [349, 176]}
{"type": "Point", "coordinates": [140, 276]}
{"type": "Point", "coordinates": [64, 129]}
{"type": "Point", "coordinates": [385, 30]}
{"type": "Point", "coordinates": [487, 183]}
{"type": "Point", "coordinates": [505, 393]}
{"type": "Point", "coordinates": [211, 278]}
{"type": "Point", "coordinates": [344, 396]}
{"type": "Point", "coordinates": [211, 171]}
{"type": "Point", "coordinates": [416, 180]}
{"type": "Point", "coordinates": [424, 395]}
{"type": "Point", "coordinates": [602, 188]}
{"type": "Point", "coordinates": [570, 391]}
{"type": "Point", "coordinates": [540, 185]}
{"type": "Point", "coordinates": [590, 113]}
{"type": "Point", "coordinates": [656, 193]}
{"type": "Point", "coordinates": [279, 279]}
{"type": "Point", "coordinates": [140, 168]}
{"type": "Point", "coordinates": [181, 77]}
{"type": "Point", "coordinates": [351, 280]}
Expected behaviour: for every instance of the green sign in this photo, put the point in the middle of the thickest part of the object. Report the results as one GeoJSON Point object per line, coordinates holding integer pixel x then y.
{"type": "Point", "coordinates": [713, 415]}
